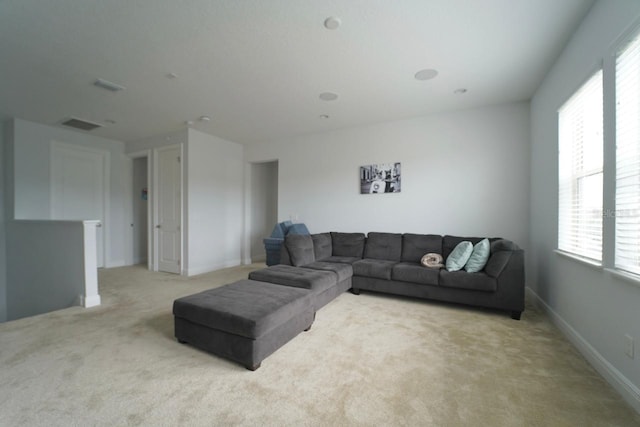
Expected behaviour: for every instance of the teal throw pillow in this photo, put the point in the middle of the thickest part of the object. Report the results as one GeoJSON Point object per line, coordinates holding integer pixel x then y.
{"type": "Point", "coordinates": [479, 256]}
{"type": "Point", "coordinates": [459, 256]}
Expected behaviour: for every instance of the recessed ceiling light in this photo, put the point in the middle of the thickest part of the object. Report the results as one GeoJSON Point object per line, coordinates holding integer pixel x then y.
{"type": "Point", "coordinates": [204, 118]}
{"type": "Point", "coordinates": [328, 96]}
{"type": "Point", "coordinates": [331, 23]}
{"type": "Point", "coordinates": [323, 116]}
{"type": "Point", "coordinates": [426, 74]}
{"type": "Point", "coordinates": [189, 122]}
{"type": "Point", "coordinates": [460, 91]}
{"type": "Point", "coordinates": [172, 76]}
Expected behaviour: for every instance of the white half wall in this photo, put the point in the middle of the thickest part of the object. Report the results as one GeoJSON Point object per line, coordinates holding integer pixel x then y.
{"type": "Point", "coordinates": [31, 147]}
{"type": "Point", "coordinates": [463, 173]}
{"type": "Point", "coordinates": [215, 180]}
{"type": "Point", "coordinates": [46, 266]}
{"type": "Point", "coordinates": [593, 307]}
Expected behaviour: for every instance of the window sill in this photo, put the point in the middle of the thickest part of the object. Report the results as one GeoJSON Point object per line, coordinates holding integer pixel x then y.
{"type": "Point", "coordinates": [631, 278]}
{"type": "Point", "coordinates": [581, 260]}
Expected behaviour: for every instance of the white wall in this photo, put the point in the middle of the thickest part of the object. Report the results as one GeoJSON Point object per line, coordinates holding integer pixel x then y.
{"type": "Point", "coordinates": [463, 173]}
{"type": "Point", "coordinates": [263, 208]}
{"type": "Point", "coordinates": [594, 308]}
{"type": "Point", "coordinates": [31, 179]}
{"type": "Point", "coordinates": [215, 202]}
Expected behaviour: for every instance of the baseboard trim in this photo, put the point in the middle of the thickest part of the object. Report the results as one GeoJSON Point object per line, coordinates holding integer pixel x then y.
{"type": "Point", "coordinates": [629, 392]}
{"type": "Point", "coordinates": [116, 263]}
{"type": "Point", "coordinates": [213, 267]}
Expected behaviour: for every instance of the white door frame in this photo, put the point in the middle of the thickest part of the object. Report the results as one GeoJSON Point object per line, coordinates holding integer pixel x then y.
{"type": "Point", "coordinates": [106, 190]}
{"type": "Point", "coordinates": [154, 253]}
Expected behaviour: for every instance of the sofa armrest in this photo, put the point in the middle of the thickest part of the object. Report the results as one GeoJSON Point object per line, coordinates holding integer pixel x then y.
{"type": "Point", "coordinates": [508, 267]}
{"type": "Point", "coordinates": [496, 263]}
{"type": "Point", "coordinates": [501, 251]}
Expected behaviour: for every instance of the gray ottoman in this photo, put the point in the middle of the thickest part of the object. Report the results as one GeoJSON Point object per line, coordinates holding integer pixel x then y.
{"type": "Point", "coordinates": [245, 321]}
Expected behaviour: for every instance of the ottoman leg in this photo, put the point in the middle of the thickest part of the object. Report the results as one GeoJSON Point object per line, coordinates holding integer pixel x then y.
{"type": "Point", "coordinates": [355, 291]}
{"type": "Point", "coordinates": [253, 367]}
{"type": "Point", "coordinates": [181, 341]}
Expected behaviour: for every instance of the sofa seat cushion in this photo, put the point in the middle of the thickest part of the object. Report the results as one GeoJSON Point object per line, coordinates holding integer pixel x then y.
{"type": "Point", "coordinates": [341, 259]}
{"type": "Point", "coordinates": [415, 273]}
{"type": "Point", "coordinates": [245, 308]}
{"type": "Point", "coordinates": [316, 280]}
{"type": "Point", "coordinates": [343, 271]}
{"type": "Point", "coordinates": [377, 268]}
{"type": "Point", "coordinates": [472, 281]}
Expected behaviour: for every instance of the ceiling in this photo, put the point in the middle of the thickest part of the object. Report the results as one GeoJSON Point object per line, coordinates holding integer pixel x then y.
{"type": "Point", "coordinates": [257, 67]}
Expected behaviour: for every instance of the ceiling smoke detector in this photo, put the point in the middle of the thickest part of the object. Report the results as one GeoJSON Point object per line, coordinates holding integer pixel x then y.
{"type": "Point", "coordinates": [81, 124]}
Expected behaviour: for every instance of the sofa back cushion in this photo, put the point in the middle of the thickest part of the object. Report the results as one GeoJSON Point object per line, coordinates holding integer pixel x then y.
{"type": "Point", "coordinates": [415, 246]}
{"type": "Point", "coordinates": [347, 244]}
{"type": "Point", "coordinates": [300, 247]}
{"type": "Point", "coordinates": [386, 246]}
{"type": "Point", "coordinates": [322, 245]}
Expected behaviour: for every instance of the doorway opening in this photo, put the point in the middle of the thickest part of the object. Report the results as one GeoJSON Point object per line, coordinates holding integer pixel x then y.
{"type": "Point", "coordinates": [264, 206]}
{"type": "Point", "coordinates": [140, 222]}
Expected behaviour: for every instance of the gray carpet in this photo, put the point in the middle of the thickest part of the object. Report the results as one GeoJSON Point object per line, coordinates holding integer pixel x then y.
{"type": "Point", "coordinates": [368, 360]}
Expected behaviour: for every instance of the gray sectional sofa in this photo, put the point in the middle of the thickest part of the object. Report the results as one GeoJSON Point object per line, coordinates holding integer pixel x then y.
{"type": "Point", "coordinates": [390, 263]}
{"type": "Point", "coordinates": [248, 320]}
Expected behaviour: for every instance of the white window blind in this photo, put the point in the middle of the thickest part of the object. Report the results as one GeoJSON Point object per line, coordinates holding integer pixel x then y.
{"type": "Point", "coordinates": [580, 171]}
{"type": "Point", "coordinates": [627, 213]}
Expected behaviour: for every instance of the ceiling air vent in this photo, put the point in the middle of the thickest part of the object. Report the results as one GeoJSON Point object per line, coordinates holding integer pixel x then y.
{"type": "Point", "coordinates": [81, 124]}
{"type": "Point", "coordinates": [105, 84]}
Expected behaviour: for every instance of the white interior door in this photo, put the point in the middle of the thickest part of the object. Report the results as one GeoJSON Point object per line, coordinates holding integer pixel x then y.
{"type": "Point", "coordinates": [169, 209]}
{"type": "Point", "coordinates": [78, 187]}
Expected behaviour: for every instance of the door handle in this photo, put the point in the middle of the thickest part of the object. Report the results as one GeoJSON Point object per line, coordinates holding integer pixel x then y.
{"type": "Point", "coordinates": [158, 226]}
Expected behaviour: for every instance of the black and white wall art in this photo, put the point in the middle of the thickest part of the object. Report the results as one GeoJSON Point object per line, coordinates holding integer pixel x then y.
{"type": "Point", "coordinates": [380, 178]}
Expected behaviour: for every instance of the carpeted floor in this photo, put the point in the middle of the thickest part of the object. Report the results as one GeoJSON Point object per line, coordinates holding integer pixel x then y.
{"type": "Point", "coordinates": [368, 360]}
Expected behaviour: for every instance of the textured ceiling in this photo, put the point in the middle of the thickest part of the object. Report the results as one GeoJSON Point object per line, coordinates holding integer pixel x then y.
{"type": "Point", "coordinates": [257, 67]}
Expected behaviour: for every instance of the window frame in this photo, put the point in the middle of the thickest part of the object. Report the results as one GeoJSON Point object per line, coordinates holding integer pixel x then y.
{"type": "Point", "coordinates": [568, 171]}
